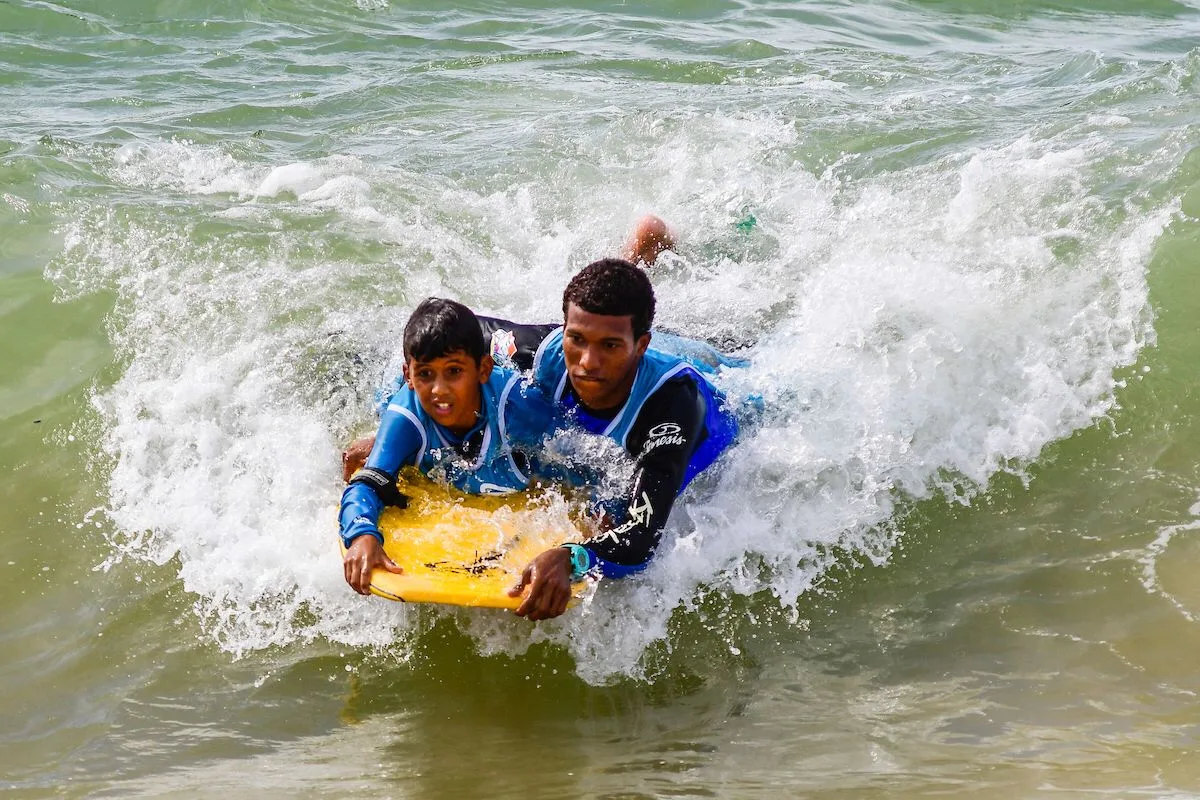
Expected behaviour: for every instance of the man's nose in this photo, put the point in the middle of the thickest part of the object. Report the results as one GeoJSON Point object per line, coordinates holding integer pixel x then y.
{"type": "Point", "coordinates": [589, 359]}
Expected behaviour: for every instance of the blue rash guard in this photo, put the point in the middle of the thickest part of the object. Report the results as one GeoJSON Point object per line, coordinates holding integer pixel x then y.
{"type": "Point", "coordinates": [674, 424]}
{"type": "Point", "coordinates": [494, 457]}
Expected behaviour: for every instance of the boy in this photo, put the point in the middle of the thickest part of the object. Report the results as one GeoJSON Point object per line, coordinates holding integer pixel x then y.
{"type": "Point", "coordinates": [457, 418]}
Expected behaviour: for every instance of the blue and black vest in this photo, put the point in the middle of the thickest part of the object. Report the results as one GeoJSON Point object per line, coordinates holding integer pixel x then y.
{"type": "Point", "coordinates": [655, 369]}
{"type": "Point", "coordinates": [510, 416]}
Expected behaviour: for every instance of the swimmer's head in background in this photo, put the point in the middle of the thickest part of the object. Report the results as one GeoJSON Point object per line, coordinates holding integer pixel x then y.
{"type": "Point", "coordinates": [650, 238]}
{"type": "Point", "coordinates": [613, 287]}
{"type": "Point", "coordinates": [440, 327]}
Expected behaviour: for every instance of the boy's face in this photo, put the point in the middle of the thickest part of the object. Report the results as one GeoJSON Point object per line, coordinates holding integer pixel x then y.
{"type": "Point", "coordinates": [448, 388]}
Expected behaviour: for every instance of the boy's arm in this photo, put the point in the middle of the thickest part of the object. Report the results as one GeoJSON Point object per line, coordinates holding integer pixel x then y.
{"type": "Point", "coordinates": [374, 486]}
{"type": "Point", "coordinates": [370, 490]}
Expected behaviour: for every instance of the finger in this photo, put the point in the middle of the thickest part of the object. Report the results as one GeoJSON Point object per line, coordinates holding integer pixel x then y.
{"type": "Point", "coordinates": [521, 584]}
{"type": "Point", "coordinates": [557, 604]}
{"type": "Point", "coordinates": [530, 604]}
{"type": "Point", "coordinates": [391, 566]}
{"type": "Point", "coordinates": [351, 569]}
{"type": "Point", "coordinates": [363, 579]}
{"type": "Point", "coordinates": [563, 600]}
{"type": "Point", "coordinates": [545, 604]}
{"type": "Point", "coordinates": [526, 607]}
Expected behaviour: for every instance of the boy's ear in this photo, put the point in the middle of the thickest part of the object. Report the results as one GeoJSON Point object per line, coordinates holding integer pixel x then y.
{"type": "Point", "coordinates": [485, 368]}
{"type": "Point", "coordinates": [404, 372]}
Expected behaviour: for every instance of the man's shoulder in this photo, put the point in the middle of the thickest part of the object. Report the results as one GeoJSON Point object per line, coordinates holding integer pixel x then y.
{"type": "Point", "coordinates": [678, 395]}
{"type": "Point", "coordinates": [686, 380]}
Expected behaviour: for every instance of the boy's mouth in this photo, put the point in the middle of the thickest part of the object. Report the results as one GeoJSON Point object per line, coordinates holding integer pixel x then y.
{"type": "Point", "coordinates": [443, 409]}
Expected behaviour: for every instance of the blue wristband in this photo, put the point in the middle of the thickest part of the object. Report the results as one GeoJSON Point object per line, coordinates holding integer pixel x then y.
{"type": "Point", "coordinates": [581, 560]}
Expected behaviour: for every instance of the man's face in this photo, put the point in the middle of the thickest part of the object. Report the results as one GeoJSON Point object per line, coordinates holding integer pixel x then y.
{"type": "Point", "coordinates": [602, 356]}
{"type": "Point", "coordinates": [448, 388]}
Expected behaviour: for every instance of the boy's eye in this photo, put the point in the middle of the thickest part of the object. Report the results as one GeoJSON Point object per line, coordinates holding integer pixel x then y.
{"type": "Point", "coordinates": [424, 374]}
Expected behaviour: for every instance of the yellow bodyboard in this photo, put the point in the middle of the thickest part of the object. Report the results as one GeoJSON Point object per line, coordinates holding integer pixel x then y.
{"type": "Point", "coordinates": [465, 550]}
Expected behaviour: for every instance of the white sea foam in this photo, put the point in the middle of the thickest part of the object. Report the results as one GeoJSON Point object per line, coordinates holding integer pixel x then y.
{"type": "Point", "coordinates": [911, 333]}
{"type": "Point", "coordinates": [294, 178]}
{"type": "Point", "coordinates": [193, 169]}
{"type": "Point", "coordinates": [1175, 587]}
{"type": "Point", "coordinates": [184, 166]}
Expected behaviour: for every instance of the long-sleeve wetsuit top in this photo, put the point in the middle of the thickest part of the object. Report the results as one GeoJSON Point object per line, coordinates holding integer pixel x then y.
{"type": "Point", "coordinates": [669, 439]}
{"type": "Point", "coordinates": [495, 457]}
{"type": "Point", "coordinates": [514, 344]}
{"type": "Point", "coordinates": [662, 440]}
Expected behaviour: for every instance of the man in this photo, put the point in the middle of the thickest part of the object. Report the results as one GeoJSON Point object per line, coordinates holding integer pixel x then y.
{"type": "Point", "coordinates": [659, 408]}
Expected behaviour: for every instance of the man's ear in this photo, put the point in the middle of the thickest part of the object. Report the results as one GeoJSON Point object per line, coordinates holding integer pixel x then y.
{"type": "Point", "coordinates": [642, 343]}
{"type": "Point", "coordinates": [485, 368]}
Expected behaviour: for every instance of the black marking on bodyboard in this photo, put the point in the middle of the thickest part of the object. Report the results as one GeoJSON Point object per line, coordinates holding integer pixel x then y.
{"type": "Point", "coordinates": [479, 566]}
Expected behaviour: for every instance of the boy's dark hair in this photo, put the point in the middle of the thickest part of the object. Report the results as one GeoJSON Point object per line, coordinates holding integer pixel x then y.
{"type": "Point", "coordinates": [440, 327]}
{"type": "Point", "coordinates": [615, 288]}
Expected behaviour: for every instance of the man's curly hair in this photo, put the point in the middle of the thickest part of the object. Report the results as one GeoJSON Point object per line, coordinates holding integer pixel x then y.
{"type": "Point", "coordinates": [615, 288]}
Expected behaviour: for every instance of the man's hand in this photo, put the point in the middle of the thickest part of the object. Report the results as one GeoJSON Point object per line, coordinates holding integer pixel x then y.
{"type": "Point", "coordinates": [364, 555]}
{"type": "Point", "coordinates": [548, 577]}
{"type": "Point", "coordinates": [355, 456]}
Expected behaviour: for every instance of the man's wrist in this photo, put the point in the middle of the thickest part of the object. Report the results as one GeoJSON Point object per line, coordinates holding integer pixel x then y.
{"type": "Point", "coordinates": [581, 562]}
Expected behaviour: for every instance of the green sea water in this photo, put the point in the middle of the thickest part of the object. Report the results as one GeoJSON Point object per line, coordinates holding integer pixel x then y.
{"type": "Point", "coordinates": [955, 556]}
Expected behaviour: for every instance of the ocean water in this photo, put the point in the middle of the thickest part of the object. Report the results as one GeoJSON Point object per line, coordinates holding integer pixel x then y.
{"type": "Point", "coordinates": [956, 556]}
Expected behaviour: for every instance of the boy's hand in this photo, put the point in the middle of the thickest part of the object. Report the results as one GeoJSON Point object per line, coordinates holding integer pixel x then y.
{"type": "Point", "coordinates": [363, 556]}
{"type": "Point", "coordinates": [548, 577]}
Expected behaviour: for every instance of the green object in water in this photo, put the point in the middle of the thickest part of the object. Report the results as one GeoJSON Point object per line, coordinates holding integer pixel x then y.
{"type": "Point", "coordinates": [746, 223]}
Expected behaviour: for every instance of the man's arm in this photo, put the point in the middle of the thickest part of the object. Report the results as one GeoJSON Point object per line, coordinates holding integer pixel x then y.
{"type": "Point", "coordinates": [662, 440]}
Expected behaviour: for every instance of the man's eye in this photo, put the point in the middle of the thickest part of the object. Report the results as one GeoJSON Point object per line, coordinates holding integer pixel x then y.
{"type": "Point", "coordinates": [454, 371]}
{"type": "Point", "coordinates": [612, 345]}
